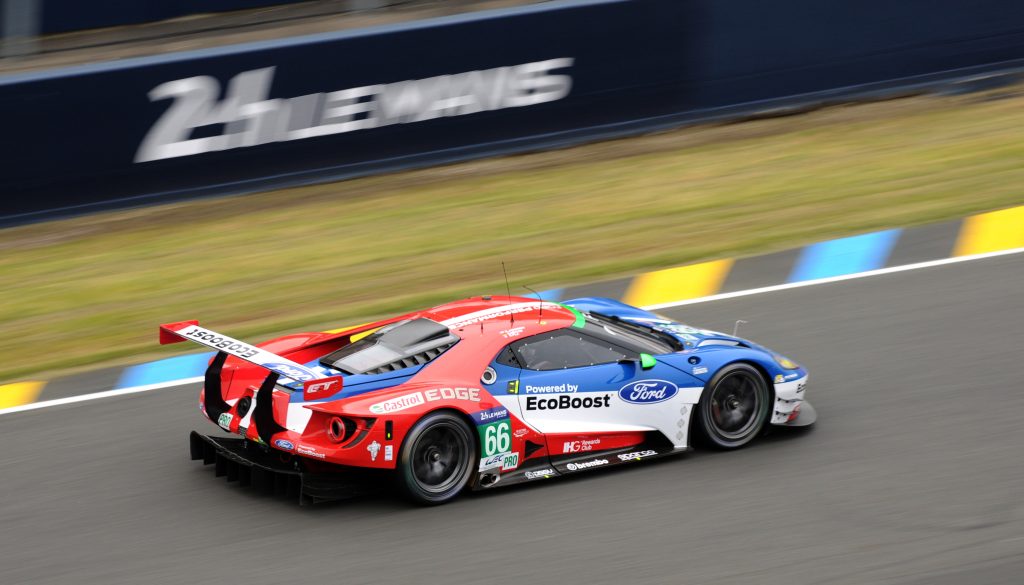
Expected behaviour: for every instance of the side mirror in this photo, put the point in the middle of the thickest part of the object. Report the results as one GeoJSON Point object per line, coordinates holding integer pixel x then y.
{"type": "Point", "coordinates": [647, 361]}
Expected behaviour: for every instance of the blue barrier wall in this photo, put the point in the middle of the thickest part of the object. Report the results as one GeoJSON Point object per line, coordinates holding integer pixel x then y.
{"type": "Point", "coordinates": [253, 116]}
{"type": "Point", "coordinates": [747, 50]}
{"type": "Point", "coordinates": [70, 15]}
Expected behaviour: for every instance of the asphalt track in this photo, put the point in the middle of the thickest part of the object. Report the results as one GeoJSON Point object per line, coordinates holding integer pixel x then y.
{"type": "Point", "coordinates": [913, 475]}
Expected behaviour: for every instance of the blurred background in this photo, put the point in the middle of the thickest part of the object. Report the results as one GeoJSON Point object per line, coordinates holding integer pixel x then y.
{"type": "Point", "coordinates": [268, 166]}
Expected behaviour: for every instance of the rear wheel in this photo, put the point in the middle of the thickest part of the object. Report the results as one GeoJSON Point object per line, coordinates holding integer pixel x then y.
{"type": "Point", "coordinates": [435, 461]}
{"type": "Point", "coordinates": [733, 407]}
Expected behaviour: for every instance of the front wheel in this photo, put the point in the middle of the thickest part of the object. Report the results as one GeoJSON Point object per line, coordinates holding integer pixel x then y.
{"type": "Point", "coordinates": [733, 407]}
{"type": "Point", "coordinates": [435, 462]}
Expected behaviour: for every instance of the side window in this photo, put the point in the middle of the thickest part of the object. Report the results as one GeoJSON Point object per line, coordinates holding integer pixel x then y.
{"type": "Point", "coordinates": [508, 358]}
{"type": "Point", "coordinates": [566, 349]}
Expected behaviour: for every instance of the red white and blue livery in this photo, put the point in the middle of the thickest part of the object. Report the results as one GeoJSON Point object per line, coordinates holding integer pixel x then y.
{"type": "Point", "coordinates": [481, 393]}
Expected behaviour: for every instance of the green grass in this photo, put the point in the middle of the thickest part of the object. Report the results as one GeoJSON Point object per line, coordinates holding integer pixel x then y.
{"type": "Point", "coordinates": [92, 290]}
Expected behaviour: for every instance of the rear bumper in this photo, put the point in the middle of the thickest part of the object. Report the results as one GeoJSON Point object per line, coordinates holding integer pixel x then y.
{"type": "Point", "coordinates": [277, 473]}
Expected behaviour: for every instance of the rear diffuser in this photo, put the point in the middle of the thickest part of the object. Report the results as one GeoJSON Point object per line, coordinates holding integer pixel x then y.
{"type": "Point", "coordinates": [278, 473]}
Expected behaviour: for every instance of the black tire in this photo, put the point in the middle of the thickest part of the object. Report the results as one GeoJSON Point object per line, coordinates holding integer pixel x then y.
{"type": "Point", "coordinates": [435, 462]}
{"type": "Point", "coordinates": [733, 408]}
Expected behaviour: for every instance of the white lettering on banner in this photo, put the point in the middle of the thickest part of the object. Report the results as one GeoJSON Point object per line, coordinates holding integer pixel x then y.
{"type": "Point", "coordinates": [249, 118]}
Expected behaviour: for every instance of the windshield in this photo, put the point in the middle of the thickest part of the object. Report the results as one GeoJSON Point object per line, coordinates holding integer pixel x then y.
{"type": "Point", "coordinates": [636, 337]}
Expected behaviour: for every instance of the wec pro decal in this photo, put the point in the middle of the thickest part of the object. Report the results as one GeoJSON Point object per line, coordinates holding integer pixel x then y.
{"type": "Point", "coordinates": [506, 461]}
{"type": "Point", "coordinates": [224, 420]}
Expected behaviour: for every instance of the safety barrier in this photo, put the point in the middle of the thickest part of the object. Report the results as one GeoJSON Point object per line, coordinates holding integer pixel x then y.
{"type": "Point", "coordinates": [328, 106]}
{"type": "Point", "coordinates": [59, 16]}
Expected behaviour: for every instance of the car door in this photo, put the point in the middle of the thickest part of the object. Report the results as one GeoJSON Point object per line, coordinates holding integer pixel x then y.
{"type": "Point", "coordinates": [574, 383]}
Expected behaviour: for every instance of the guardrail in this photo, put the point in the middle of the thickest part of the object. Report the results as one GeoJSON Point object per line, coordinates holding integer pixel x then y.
{"type": "Point", "coordinates": [342, 104]}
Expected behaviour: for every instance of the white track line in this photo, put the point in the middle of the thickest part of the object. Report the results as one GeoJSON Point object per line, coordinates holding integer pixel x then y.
{"type": "Point", "coordinates": [803, 283]}
{"type": "Point", "coordinates": [98, 395]}
{"type": "Point", "coordinates": [718, 297]}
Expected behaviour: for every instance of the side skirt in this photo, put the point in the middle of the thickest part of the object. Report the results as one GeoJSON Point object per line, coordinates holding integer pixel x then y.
{"type": "Point", "coordinates": [548, 467]}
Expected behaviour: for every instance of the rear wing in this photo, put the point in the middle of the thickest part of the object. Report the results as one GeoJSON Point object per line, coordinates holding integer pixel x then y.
{"type": "Point", "coordinates": [313, 384]}
{"type": "Point", "coordinates": [191, 331]}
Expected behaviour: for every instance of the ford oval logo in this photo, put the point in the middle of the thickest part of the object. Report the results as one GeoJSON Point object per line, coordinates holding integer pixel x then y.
{"type": "Point", "coordinates": [648, 391]}
{"type": "Point", "coordinates": [284, 445]}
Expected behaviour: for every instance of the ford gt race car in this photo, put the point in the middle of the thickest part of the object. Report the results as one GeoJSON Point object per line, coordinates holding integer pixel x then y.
{"type": "Point", "coordinates": [480, 393]}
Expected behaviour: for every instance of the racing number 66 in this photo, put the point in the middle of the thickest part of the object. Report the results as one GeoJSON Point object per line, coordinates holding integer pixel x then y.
{"type": "Point", "coordinates": [497, 438]}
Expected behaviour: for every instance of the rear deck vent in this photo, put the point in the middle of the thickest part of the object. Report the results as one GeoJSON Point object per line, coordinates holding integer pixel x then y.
{"type": "Point", "coordinates": [418, 359]}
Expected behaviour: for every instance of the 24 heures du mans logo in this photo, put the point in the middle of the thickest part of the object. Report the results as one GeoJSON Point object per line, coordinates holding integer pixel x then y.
{"type": "Point", "coordinates": [249, 117]}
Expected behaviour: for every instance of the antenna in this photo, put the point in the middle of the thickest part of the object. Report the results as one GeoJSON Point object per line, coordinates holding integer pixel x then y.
{"type": "Point", "coordinates": [736, 327]}
{"type": "Point", "coordinates": [541, 313]}
{"type": "Point", "coordinates": [508, 291]}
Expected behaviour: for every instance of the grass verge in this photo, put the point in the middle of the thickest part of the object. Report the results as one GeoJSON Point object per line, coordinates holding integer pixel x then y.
{"type": "Point", "coordinates": [91, 290]}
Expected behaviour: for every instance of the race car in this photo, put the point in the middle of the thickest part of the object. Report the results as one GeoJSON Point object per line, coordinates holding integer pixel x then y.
{"type": "Point", "coordinates": [481, 393]}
